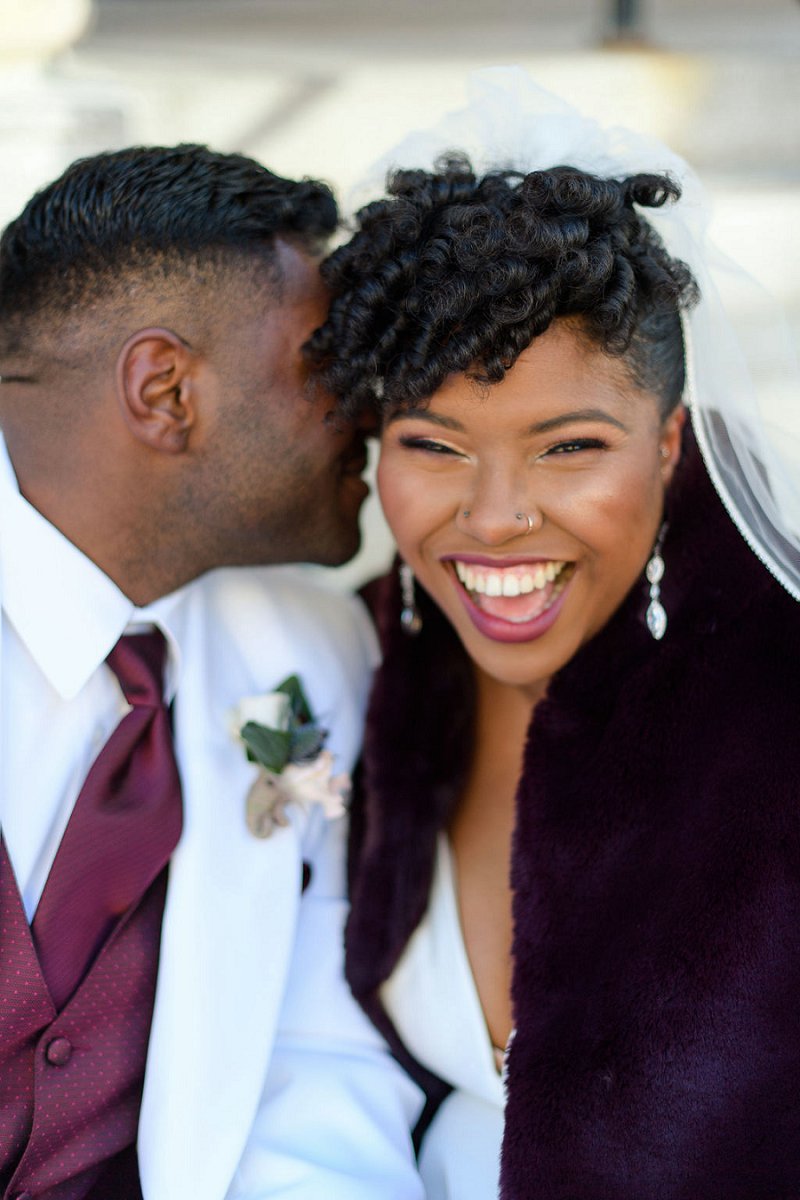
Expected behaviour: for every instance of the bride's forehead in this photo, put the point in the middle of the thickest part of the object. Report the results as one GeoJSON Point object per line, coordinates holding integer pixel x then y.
{"type": "Point", "coordinates": [560, 368]}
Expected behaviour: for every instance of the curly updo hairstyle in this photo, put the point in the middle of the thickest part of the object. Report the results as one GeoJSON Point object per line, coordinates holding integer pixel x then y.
{"type": "Point", "coordinates": [455, 272]}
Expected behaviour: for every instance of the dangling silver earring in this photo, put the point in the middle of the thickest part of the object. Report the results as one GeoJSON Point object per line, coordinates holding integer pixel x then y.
{"type": "Point", "coordinates": [656, 616]}
{"type": "Point", "coordinates": [410, 618]}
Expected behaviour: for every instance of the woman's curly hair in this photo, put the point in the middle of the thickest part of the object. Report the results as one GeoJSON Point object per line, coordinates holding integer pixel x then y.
{"type": "Point", "coordinates": [459, 273]}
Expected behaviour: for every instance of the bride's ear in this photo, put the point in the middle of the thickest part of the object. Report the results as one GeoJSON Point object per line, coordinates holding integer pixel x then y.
{"type": "Point", "coordinates": [669, 442]}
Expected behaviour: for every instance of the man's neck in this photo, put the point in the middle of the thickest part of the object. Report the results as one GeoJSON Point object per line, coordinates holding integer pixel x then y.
{"type": "Point", "coordinates": [122, 542]}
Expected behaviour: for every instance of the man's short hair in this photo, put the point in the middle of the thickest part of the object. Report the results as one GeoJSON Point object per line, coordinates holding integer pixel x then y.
{"type": "Point", "coordinates": [153, 209]}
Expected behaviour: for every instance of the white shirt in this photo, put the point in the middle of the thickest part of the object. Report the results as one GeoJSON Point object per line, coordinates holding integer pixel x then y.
{"type": "Point", "coordinates": [433, 1001]}
{"type": "Point", "coordinates": [59, 702]}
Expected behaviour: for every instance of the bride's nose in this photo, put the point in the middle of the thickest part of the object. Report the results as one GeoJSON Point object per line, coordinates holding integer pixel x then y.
{"type": "Point", "coordinates": [497, 510]}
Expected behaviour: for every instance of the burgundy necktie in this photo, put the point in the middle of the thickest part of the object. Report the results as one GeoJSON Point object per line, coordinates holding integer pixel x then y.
{"type": "Point", "coordinates": [123, 829]}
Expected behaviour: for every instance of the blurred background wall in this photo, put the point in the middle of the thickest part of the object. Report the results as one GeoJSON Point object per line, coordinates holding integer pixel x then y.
{"type": "Point", "coordinates": [323, 87]}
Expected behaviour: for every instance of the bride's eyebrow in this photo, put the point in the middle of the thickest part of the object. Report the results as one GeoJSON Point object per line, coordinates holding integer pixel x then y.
{"type": "Point", "coordinates": [424, 414]}
{"type": "Point", "coordinates": [580, 414]}
{"type": "Point", "coordinates": [547, 426]}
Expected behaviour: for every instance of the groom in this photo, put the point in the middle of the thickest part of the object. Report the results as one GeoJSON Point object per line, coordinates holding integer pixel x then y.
{"type": "Point", "coordinates": [173, 1021]}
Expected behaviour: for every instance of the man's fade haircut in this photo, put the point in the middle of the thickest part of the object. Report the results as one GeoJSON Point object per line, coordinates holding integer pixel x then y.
{"type": "Point", "coordinates": [148, 209]}
{"type": "Point", "coordinates": [455, 272]}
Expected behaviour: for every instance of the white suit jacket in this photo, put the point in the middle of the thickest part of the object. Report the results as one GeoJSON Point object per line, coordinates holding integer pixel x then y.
{"type": "Point", "coordinates": [263, 1077]}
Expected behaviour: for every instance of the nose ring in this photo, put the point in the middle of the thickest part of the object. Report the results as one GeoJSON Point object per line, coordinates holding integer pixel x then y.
{"type": "Point", "coordinates": [517, 516]}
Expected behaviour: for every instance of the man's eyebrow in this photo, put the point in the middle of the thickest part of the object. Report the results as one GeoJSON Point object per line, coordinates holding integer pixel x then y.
{"type": "Point", "coordinates": [580, 414]}
{"type": "Point", "coordinates": [424, 414]}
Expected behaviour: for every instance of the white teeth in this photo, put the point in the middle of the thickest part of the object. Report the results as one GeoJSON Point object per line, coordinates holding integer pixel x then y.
{"type": "Point", "coordinates": [508, 582]}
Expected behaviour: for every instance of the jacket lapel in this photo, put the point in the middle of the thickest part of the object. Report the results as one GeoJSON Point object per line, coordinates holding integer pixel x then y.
{"type": "Point", "coordinates": [227, 936]}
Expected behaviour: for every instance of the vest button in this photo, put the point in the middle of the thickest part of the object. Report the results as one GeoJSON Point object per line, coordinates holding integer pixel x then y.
{"type": "Point", "coordinates": [58, 1052]}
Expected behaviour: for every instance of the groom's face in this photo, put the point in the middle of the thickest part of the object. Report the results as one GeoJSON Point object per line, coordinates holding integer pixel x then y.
{"type": "Point", "coordinates": [285, 470]}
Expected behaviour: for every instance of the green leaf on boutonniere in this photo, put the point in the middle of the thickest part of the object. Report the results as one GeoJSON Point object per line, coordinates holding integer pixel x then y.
{"type": "Point", "coordinates": [293, 688]}
{"type": "Point", "coordinates": [307, 741]}
{"type": "Point", "coordinates": [269, 747]}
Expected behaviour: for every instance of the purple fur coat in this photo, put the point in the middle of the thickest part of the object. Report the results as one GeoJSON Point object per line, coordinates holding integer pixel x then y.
{"type": "Point", "coordinates": [656, 878]}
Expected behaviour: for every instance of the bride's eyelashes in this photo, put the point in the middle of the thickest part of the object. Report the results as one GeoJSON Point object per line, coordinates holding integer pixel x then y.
{"type": "Point", "coordinates": [428, 445]}
{"type": "Point", "coordinates": [567, 447]}
{"type": "Point", "coordinates": [574, 445]}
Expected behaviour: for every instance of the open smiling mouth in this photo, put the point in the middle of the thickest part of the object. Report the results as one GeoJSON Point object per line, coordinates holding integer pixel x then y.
{"type": "Point", "coordinates": [520, 597]}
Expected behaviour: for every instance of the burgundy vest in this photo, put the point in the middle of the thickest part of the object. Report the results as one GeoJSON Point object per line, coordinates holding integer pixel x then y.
{"type": "Point", "coordinates": [71, 1081]}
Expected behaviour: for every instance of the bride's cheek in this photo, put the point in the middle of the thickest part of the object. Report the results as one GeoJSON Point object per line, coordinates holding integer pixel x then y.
{"type": "Point", "coordinates": [395, 488]}
{"type": "Point", "coordinates": [398, 469]}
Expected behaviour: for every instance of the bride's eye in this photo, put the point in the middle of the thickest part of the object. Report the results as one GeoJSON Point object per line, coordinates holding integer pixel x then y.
{"type": "Point", "coordinates": [574, 445]}
{"type": "Point", "coordinates": [426, 444]}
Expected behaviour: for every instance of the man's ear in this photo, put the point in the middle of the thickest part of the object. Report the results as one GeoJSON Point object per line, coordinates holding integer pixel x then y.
{"type": "Point", "coordinates": [156, 389]}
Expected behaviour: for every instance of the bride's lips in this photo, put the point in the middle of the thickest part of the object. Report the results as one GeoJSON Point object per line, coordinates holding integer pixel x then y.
{"type": "Point", "coordinates": [511, 600]}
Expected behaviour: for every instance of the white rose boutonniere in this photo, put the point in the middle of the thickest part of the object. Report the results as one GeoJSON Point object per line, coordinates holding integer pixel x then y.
{"type": "Point", "coordinates": [279, 732]}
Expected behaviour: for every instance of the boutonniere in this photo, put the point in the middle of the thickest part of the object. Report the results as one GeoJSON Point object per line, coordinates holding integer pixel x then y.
{"type": "Point", "coordinates": [279, 733]}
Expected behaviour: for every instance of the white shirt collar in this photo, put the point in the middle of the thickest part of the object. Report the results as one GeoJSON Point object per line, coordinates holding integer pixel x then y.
{"type": "Point", "coordinates": [68, 613]}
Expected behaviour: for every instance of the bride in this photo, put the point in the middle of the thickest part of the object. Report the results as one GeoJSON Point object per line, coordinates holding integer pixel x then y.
{"type": "Point", "coordinates": [576, 855]}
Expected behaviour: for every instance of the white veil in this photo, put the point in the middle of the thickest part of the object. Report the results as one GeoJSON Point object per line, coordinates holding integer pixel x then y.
{"type": "Point", "coordinates": [743, 381]}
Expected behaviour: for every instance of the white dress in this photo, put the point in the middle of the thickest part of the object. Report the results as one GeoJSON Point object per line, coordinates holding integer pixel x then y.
{"type": "Point", "coordinates": [432, 999]}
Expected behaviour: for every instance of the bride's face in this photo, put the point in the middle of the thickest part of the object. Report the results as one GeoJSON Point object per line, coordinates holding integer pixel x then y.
{"type": "Point", "coordinates": [565, 440]}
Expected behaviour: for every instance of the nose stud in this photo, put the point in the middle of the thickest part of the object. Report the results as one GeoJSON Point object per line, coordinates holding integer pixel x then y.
{"type": "Point", "coordinates": [465, 512]}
